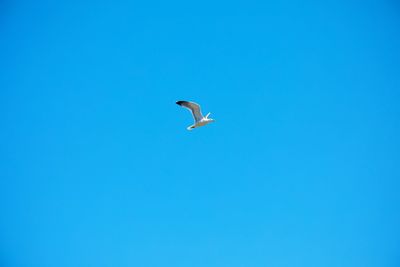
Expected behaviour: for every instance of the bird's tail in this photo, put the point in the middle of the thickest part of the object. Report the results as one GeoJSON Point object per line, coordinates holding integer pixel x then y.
{"type": "Point", "coordinates": [208, 115]}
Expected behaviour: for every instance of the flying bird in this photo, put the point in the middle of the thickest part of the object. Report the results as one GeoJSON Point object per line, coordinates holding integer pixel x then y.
{"type": "Point", "coordinates": [199, 119]}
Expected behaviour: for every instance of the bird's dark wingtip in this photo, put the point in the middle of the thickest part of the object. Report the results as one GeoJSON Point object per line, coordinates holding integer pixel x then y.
{"type": "Point", "coordinates": [179, 102]}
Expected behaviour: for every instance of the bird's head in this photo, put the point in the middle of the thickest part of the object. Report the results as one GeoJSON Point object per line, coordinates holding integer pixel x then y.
{"type": "Point", "coordinates": [209, 119]}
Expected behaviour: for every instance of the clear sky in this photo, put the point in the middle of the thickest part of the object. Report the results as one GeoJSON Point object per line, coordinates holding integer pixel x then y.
{"type": "Point", "coordinates": [301, 168]}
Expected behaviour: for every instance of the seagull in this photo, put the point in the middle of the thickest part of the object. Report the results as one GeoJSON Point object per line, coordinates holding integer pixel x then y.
{"type": "Point", "coordinates": [199, 119]}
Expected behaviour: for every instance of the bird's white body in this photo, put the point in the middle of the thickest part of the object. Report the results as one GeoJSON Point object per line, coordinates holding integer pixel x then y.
{"type": "Point", "coordinates": [200, 123]}
{"type": "Point", "coordinates": [199, 119]}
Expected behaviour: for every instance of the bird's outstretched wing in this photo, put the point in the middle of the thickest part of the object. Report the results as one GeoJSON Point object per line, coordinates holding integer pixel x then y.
{"type": "Point", "coordinates": [193, 107]}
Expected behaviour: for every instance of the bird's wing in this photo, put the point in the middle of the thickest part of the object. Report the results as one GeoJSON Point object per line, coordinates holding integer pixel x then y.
{"type": "Point", "coordinates": [193, 107]}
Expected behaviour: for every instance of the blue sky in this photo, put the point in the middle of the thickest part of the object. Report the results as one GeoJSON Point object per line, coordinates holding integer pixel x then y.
{"type": "Point", "coordinates": [300, 169]}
